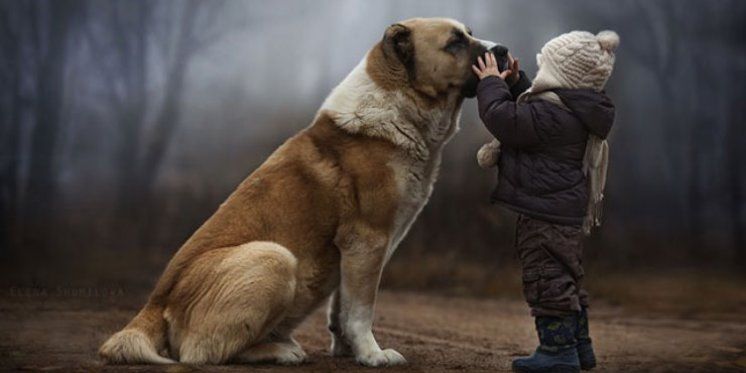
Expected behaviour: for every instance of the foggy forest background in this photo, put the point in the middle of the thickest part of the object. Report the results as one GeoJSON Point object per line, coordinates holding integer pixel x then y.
{"type": "Point", "coordinates": [124, 124]}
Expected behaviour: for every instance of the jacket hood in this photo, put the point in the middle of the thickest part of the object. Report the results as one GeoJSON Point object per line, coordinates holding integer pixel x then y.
{"type": "Point", "coordinates": [593, 108]}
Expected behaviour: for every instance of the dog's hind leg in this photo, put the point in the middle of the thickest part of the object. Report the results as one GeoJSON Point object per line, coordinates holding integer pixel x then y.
{"type": "Point", "coordinates": [234, 299]}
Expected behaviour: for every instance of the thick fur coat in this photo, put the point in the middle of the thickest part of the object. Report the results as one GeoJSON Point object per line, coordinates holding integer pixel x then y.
{"type": "Point", "coordinates": [319, 219]}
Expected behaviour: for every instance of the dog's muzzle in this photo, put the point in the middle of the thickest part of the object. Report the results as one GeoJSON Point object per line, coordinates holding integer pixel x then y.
{"type": "Point", "coordinates": [501, 56]}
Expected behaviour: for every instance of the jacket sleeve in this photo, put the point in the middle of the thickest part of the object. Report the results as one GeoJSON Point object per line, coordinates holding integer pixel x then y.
{"type": "Point", "coordinates": [521, 85]}
{"type": "Point", "coordinates": [508, 121]}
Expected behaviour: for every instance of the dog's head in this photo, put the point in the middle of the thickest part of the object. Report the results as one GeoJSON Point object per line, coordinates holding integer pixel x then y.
{"type": "Point", "coordinates": [432, 55]}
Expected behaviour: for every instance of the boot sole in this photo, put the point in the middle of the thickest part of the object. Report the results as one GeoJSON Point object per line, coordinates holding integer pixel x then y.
{"type": "Point", "coordinates": [552, 369]}
{"type": "Point", "coordinates": [587, 367]}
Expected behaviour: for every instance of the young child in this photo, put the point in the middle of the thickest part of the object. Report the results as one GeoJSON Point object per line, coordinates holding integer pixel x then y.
{"type": "Point", "coordinates": [552, 166]}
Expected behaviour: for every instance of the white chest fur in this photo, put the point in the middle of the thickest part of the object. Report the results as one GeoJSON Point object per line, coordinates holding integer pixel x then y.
{"type": "Point", "coordinates": [358, 105]}
{"type": "Point", "coordinates": [415, 182]}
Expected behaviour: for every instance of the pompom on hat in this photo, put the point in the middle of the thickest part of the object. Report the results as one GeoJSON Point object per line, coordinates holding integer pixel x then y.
{"type": "Point", "coordinates": [577, 59]}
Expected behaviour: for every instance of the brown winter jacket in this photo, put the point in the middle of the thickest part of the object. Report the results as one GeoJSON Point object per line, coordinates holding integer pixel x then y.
{"type": "Point", "coordinates": [542, 147]}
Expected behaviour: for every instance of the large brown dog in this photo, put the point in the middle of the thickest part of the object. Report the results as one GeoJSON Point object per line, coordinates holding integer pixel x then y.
{"type": "Point", "coordinates": [319, 219]}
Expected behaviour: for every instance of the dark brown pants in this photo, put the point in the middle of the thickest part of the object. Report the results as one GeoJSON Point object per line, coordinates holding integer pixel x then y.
{"type": "Point", "coordinates": [551, 258]}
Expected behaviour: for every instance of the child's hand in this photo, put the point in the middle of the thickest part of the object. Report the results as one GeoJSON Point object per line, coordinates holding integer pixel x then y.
{"type": "Point", "coordinates": [514, 71]}
{"type": "Point", "coordinates": [490, 68]}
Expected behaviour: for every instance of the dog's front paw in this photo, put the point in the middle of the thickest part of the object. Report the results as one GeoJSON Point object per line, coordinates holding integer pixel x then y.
{"type": "Point", "coordinates": [380, 358]}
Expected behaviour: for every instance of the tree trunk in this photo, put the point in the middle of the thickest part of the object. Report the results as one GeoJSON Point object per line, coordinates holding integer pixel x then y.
{"type": "Point", "coordinates": [131, 120]}
{"type": "Point", "coordinates": [40, 195]}
{"type": "Point", "coordinates": [165, 124]}
{"type": "Point", "coordinates": [736, 184]}
{"type": "Point", "coordinates": [10, 157]}
{"type": "Point", "coordinates": [9, 220]}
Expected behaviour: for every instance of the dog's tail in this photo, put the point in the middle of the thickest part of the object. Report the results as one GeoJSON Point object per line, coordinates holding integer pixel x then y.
{"type": "Point", "coordinates": [139, 341]}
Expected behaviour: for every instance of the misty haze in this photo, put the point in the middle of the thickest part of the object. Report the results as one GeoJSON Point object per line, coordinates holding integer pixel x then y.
{"type": "Point", "coordinates": [125, 124]}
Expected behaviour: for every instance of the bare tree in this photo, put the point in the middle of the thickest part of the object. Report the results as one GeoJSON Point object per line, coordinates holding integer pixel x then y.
{"type": "Point", "coordinates": [135, 35]}
{"type": "Point", "coordinates": [36, 36]}
{"type": "Point", "coordinates": [117, 34]}
{"type": "Point", "coordinates": [735, 145]}
{"type": "Point", "coordinates": [12, 105]}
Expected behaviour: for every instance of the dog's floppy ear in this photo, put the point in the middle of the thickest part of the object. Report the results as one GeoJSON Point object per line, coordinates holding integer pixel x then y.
{"type": "Point", "coordinates": [397, 43]}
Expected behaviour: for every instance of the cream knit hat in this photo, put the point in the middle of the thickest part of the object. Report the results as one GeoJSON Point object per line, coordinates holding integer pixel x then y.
{"type": "Point", "coordinates": [577, 59]}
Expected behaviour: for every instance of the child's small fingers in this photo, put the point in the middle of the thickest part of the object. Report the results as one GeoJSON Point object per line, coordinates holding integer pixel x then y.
{"type": "Point", "coordinates": [488, 58]}
{"type": "Point", "coordinates": [476, 69]}
{"type": "Point", "coordinates": [481, 63]}
{"type": "Point", "coordinates": [493, 61]}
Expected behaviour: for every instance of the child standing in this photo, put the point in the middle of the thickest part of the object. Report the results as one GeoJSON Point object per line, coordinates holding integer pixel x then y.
{"type": "Point", "coordinates": [543, 175]}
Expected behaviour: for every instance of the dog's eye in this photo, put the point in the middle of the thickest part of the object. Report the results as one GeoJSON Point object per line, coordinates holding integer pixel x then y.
{"type": "Point", "coordinates": [455, 45]}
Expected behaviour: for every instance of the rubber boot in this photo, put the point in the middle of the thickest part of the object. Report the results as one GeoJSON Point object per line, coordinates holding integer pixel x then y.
{"type": "Point", "coordinates": [585, 348]}
{"type": "Point", "coordinates": [557, 347]}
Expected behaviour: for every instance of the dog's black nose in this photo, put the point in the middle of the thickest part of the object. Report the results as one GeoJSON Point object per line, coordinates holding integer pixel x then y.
{"type": "Point", "coordinates": [499, 50]}
{"type": "Point", "coordinates": [501, 55]}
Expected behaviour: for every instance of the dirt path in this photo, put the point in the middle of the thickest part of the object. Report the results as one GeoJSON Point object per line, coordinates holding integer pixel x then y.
{"type": "Point", "coordinates": [50, 332]}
